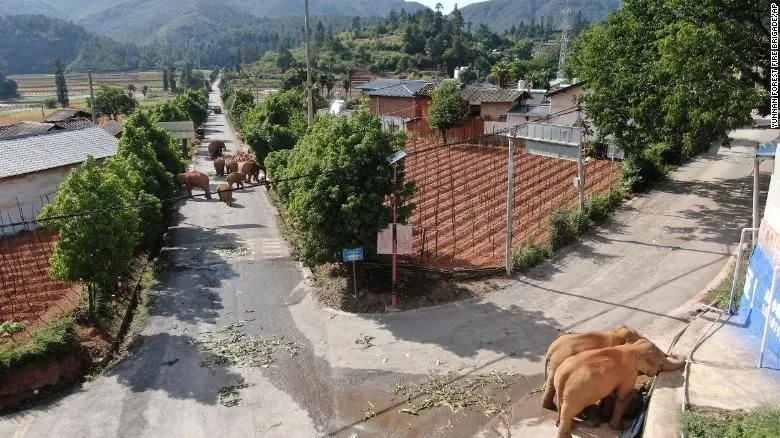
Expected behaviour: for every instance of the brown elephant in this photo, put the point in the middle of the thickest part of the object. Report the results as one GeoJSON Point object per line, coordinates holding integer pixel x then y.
{"type": "Point", "coordinates": [231, 165]}
{"type": "Point", "coordinates": [586, 378]}
{"type": "Point", "coordinates": [251, 170]}
{"type": "Point", "coordinates": [225, 194]}
{"type": "Point", "coordinates": [237, 179]}
{"type": "Point", "coordinates": [194, 179]}
{"type": "Point", "coordinates": [215, 148]}
{"type": "Point", "coordinates": [219, 166]}
{"type": "Point", "coordinates": [570, 344]}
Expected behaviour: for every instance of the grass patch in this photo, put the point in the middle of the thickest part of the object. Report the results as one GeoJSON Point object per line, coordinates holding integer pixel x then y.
{"type": "Point", "coordinates": [56, 337]}
{"type": "Point", "coordinates": [762, 422]}
{"type": "Point", "coordinates": [721, 294]}
{"type": "Point", "coordinates": [531, 255]}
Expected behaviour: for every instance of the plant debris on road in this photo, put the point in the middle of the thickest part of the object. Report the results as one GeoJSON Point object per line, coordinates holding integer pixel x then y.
{"type": "Point", "coordinates": [228, 395]}
{"type": "Point", "coordinates": [448, 390]}
{"type": "Point", "coordinates": [231, 346]}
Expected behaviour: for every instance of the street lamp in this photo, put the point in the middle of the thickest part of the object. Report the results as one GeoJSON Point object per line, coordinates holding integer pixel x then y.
{"type": "Point", "coordinates": [394, 160]}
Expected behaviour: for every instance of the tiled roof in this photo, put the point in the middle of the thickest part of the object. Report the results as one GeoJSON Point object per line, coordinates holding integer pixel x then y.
{"type": "Point", "coordinates": [34, 153]}
{"type": "Point", "coordinates": [66, 113]}
{"type": "Point", "coordinates": [394, 87]}
{"type": "Point", "coordinates": [531, 110]}
{"type": "Point", "coordinates": [75, 123]}
{"type": "Point", "coordinates": [565, 88]}
{"type": "Point", "coordinates": [113, 127]}
{"type": "Point", "coordinates": [479, 95]}
{"type": "Point", "coordinates": [427, 90]}
{"type": "Point", "coordinates": [27, 128]}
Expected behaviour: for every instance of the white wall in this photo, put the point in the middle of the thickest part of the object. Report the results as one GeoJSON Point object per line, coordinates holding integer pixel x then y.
{"type": "Point", "coordinates": [772, 210]}
{"type": "Point", "coordinates": [28, 189]}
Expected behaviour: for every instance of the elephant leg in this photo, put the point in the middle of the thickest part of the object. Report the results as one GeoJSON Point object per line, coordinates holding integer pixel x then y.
{"type": "Point", "coordinates": [548, 399]}
{"type": "Point", "coordinates": [565, 420]}
{"type": "Point", "coordinates": [208, 193]}
{"type": "Point", "coordinates": [189, 189]}
{"type": "Point", "coordinates": [622, 398]}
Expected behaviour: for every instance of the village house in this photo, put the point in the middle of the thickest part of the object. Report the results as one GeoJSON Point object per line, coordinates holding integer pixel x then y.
{"type": "Point", "coordinates": [397, 101]}
{"type": "Point", "coordinates": [491, 103]}
{"type": "Point", "coordinates": [33, 166]}
{"type": "Point", "coordinates": [65, 114]}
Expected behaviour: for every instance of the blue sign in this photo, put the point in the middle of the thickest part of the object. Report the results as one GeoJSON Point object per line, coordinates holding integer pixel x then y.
{"type": "Point", "coordinates": [353, 254]}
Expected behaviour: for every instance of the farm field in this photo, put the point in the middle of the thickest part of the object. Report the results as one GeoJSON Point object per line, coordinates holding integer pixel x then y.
{"type": "Point", "coordinates": [28, 294]}
{"type": "Point", "coordinates": [42, 86]}
{"type": "Point", "coordinates": [460, 215]}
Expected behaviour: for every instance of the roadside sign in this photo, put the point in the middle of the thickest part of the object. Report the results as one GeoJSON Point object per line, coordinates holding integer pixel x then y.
{"type": "Point", "coordinates": [353, 254]}
{"type": "Point", "coordinates": [404, 234]}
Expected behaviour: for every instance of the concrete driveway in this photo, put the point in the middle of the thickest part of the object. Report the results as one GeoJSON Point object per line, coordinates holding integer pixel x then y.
{"type": "Point", "coordinates": [229, 264]}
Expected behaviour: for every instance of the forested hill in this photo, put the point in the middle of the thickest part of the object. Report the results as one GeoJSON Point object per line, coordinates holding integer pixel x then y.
{"type": "Point", "coordinates": [500, 15]}
{"type": "Point", "coordinates": [29, 44]}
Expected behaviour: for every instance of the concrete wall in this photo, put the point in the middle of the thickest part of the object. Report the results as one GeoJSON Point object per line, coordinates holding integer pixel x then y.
{"type": "Point", "coordinates": [759, 302]}
{"type": "Point", "coordinates": [28, 189]}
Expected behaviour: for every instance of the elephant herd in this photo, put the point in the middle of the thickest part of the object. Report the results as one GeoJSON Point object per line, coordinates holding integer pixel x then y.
{"type": "Point", "coordinates": [235, 172]}
{"type": "Point", "coordinates": [585, 369]}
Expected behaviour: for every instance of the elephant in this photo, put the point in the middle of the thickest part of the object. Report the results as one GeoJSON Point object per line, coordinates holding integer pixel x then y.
{"type": "Point", "coordinates": [231, 165]}
{"type": "Point", "coordinates": [194, 179]}
{"type": "Point", "coordinates": [219, 166]}
{"type": "Point", "coordinates": [215, 148]}
{"type": "Point", "coordinates": [224, 193]}
{"type": "Point", "coordinates": [237, 179]}
{"type": "Point", "coordinates": [570, 344]}
{"type": "Point", "coordinates": [251, 170]}
{"type": "Point", "coordinates": [586, 378]}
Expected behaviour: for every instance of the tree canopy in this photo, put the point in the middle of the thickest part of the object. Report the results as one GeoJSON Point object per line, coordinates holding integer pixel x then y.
{"type": "Point", "coordinates": [448, 107]}
{"type": "Point", "coordinates": [7, 86]}
{"type": "Point", "coordinates": [59, 81]}
{"type": "Point", "coordinates": [662, 72]}
{"type": "Point", "coordinates": [341, 201]}
{"type": "Point", "coordinates": [168, 111]}
{"type": "Point", "coordinates": [278, 123]}
{"type": "Point", "coordinates": [112, 102]}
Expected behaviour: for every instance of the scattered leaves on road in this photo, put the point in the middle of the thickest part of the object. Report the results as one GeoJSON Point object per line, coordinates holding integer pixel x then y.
{"type": "Point", "coordinates": [368, 411]}
{"type": "Point", "coordinates": [450, 390]}
{"type": "Point", "coordinates": [231, 346]}
{"type": "Point", "coordinates": [228, 395]}
{"type": "Point", "coordinates": [365, 340]}
{"type": "Point", "coordinates": [229, 250]}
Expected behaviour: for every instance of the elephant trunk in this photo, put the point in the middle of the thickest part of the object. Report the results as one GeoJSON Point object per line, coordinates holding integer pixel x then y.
{"type": "Point", "coordinates": [672, 363]}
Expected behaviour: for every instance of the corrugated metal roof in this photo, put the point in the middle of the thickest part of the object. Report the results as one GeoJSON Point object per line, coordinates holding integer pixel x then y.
{"type": "Point", "coordinates": [76, 123]}
{"type": "Point", "coordinates": [479, 95]}
{"type": "Point", "coordinates": [23, 155]}
{"type": "Point", "coordinates": [66, 113]}
{"type": "Point", "coordinates": [185, 126]}
{"type": "Point", "coordinates": [394, 87]}
{"type": "Point", "coordinates": [27, 128]}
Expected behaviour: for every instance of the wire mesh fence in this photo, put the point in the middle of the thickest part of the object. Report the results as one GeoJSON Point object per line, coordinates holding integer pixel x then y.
{"type": "Point", "coordinates": [460, 215]}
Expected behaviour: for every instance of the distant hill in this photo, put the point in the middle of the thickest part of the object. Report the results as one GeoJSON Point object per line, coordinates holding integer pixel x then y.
{"type": "Point", "coordinates": [142, 21]}
{"type": "Point", "coordinates": [502, 14]}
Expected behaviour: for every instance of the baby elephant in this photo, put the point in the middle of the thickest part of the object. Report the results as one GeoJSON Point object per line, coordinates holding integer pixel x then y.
{"type": "Point", "coordinates": [570, 344]}
{"type": "Point", "coordinates": [224, 193]}
{"type": "Point", "coordinates": [219, 166]}
{"type": "Point", "coordinates": [584, 379]}
{"type": "Point", "coordinates": [215, 149]}
{"type": "Point", "coordinates": [194, 179]}
{"type": "Point", "coordinates": [237, 179]}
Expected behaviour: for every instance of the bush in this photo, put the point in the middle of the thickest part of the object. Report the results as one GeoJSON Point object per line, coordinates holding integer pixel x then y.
{"type": "Point", "coordinates": [762, 422]}
{"type": "Point", "coordinates": [58, 336]}
{"type": "Point", "coordinates": [641, 171]}
{"type": "Point", "coordinates": [565, 226]}
{"type": "Point", "coordinates": [50, 102]}
{"type": "Point", "coordinates": [531, 255]}
{"type": "Point", "coordinates": [600, 205]}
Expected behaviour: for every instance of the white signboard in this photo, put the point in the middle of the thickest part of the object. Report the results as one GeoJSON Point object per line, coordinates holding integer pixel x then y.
{"type": "Point", "coordinates": [384, 240]}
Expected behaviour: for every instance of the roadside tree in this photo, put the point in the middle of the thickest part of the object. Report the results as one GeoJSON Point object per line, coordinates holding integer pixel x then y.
{"type": "Point", "coordinates": [448, 108]}
{"type": "Point", "coordinates": [113, 102]}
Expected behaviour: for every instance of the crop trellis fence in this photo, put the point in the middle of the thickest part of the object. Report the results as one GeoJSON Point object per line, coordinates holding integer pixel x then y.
{"type": "Point", "coordinates": [27, 290]}
{"type": "Point", "coordinates": [460, 200]}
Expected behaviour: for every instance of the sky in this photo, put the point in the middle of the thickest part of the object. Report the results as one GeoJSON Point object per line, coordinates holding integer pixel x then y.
{"type": "Point", "coordinates": [448, 4]}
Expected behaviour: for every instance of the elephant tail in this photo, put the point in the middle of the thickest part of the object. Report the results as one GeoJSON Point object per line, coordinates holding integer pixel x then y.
{"type": "Point", "coordinates": [546, 364]}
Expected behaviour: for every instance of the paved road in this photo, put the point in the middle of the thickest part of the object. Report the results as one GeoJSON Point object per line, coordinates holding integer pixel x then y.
{"type": "Point", "coordinates": [228, 264]}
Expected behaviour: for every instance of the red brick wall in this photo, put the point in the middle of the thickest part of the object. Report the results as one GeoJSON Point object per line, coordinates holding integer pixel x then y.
{"type": "Point", "coordinates": [399, 106]}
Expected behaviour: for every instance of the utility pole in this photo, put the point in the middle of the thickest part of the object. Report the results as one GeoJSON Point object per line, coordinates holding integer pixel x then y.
{"type": "Point", "coordinates": [510, 202]}
{"type": "Point", "coordinates": [309, 99]}
{"type": "Point", "coordinates": [91, 97]}
{"type": "Point", "coordinates": [580, 164]}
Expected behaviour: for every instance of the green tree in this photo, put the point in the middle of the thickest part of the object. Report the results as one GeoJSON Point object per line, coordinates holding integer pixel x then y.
{"type": "Point", "coordinates": [112, 102]}
{"type": "Point", "coordinates": [448, 108]}
{"type": "Point", "coordinates": [94, 249]}
{"type": "Point", "coordinates": [468, 76]}
{"type": "Point", "coordinates": [131, 89]}
{"type": "Point", "coordinates": [671, 79]}
{"type": "Point", "coordinates": [172, 78]}
{"type": "Point", "coordinates": [62, 86]}
{"type": "Point", "coordinates": [51, 102]}
{"type": "Point", "coordinates": [144, 90]}
{"type": "Point", "coordinates": [285, 59]}
{"type": "Point", "coordinates": [195, 104]}
{"type": "Point", "coordinates": [8, 87]}
{"type": "Point", "coordinates": [342, 202]}
{"type": "Point", "coordinates": [347, 84]}
{"type": "Point", "coordinates": [278, 123]}
{"type": "Point", "coordinates": [240, 102]}
{"type": "Point", "coordinates": [168, 111]}
{"type": "Point", "coordinates": [165, 147]}
{"type": "Point", "coordinates": [166, 85]}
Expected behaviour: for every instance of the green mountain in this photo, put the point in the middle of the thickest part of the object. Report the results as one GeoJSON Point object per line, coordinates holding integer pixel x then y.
{"type": "Point", "coordinates": [502, 14]}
